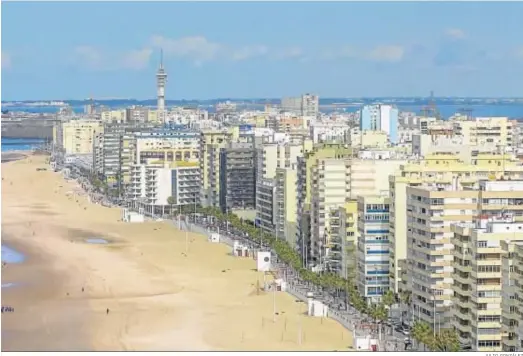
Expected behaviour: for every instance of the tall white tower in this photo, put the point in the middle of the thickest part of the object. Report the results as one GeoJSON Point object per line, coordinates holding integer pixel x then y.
{"type": "Point", "coordinates": [161, 79]}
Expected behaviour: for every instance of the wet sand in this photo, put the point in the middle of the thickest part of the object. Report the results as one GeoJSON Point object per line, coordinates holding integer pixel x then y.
{"type": "Point", "coordinates": [159, 299]}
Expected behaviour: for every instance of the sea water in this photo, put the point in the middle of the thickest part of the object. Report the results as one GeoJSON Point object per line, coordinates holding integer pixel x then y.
{"type": "Point", "coordinates": [96, 241]}
{"type": "Point", "coordinates": [10, 255]}
{"type": "Point", "coordinates": [20, 144]}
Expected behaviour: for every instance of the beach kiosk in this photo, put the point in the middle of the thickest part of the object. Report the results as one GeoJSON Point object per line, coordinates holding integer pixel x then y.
{"type": "Point", "coordinates": [132, 216]}
{"type": "Point", "coordinates": [214, 238]}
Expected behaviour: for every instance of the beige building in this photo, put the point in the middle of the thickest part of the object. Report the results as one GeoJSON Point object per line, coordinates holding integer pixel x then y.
{"type": "Point", "coordinates": [437, 169]}
{"type": "Point", "coordinates": [485, 130]}
{"type": "Point", "coordinates": [368, 139]}
{"type": "Point", "coordinates": [114, 116]}
{"type": "Point", "coordinates": [512, 302]}
{"type": "Point", "coordinates": [479, 280]}
{"type": "Point", "coordinates": [431, 209]}
{"type": "Point", "coordinates": [78, 136]}
{"type": "Point", "coordinates": [272, 156]}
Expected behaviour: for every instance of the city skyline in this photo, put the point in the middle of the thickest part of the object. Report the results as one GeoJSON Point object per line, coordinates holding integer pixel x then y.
{"type": "Point", "coordinates": [59, 54]}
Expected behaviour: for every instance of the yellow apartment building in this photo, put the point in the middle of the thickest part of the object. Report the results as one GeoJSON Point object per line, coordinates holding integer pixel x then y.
{"type": "Point", "coordinates": [483, 261]}
{"type": "Point", "coordinates": [305, 167]}
{"type": "Point", "coordinates": [439, 169]}
{"type": "Point", "coordinates": [78, 136]}
{"type": "Point", "coordinates": [114, 116]}
{"type": "Point", "coordinates": [431, 209]}
{"type": "Point", "coordinates": [485, 131]}
{"type": "Point", "coordinates": [273, 156]}
{"type": "Point", "coordinates": [478, 315]}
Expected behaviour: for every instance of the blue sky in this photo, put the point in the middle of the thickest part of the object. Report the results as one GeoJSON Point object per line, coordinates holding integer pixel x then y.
{"type": "Point", "coordinates": [248, 50]}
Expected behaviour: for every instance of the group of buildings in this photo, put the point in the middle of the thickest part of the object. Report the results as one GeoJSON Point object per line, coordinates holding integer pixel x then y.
{"type": "Point", "coordinates": [424, 207]}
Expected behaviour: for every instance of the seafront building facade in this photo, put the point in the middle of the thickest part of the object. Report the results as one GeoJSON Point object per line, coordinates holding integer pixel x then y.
{"type": "Point", "coordinates": [78, 136]}
{"type": "Point", "coordinates": [373, 247]}
{"type": "Point", "coordinates": [437, 168]}
{"type": "Point", "coordinates": [154, 183]}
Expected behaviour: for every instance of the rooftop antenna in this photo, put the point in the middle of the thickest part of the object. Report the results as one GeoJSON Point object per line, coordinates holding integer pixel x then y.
{"type": "Point", "coordinates": [161, 58]}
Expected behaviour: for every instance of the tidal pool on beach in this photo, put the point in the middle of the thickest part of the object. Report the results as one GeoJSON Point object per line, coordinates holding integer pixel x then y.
{"type": "Point", "coordinates": [10, 255]}
{"type": "Point", "coordinates": [96, 241]}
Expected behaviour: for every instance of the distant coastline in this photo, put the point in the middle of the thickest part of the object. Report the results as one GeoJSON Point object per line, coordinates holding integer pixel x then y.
{"type": "Point", "coordinates": [512, 108]}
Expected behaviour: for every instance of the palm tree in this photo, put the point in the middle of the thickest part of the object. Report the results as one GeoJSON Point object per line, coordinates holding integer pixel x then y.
{"type": "Point", "coordinates": [422, 333]}
{"type": "Point", "coordinates": [388, 299]}
{"type": "Point", "coordinates": [171, 201]}
{"type": "Point", "coordinates": [446, 341]}
{"type": "Point", "coordinates": [405, 299]}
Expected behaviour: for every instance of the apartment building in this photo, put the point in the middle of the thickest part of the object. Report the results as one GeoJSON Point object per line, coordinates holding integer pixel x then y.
{"type": "Point", "coordinates": [330, 191]}
{"type": "Point", "coordinates": [152, 184]}
{"type": "Point", "coordinates": [380, 118]}
{"type": "Point", "coordinates": [431, 209]}
{"type": "Point", "coordinates": [113, 116]}
{"type": "Point", "coordinates": [368, 138]}
{"type": "Point", "coordinates": [481, 324]}
{"type": "Point", "coordinates": [373, 247]}
{"type": "Point", "coordinates": [137, 114]}
{"type": "Point", "coordinates": [78, 136]}
{"type": "Point", "coordinates": [274, 155]}
{"type": "Point", "coordinates": [348, 233]}
{"type": "Point", "coordinates": [307, 104]}
{"type": "Point", "coordinates": [285, 195]}
{"type": "Point", "coordinates": [369, 171]}
{"type": "Point", "coordinates": [485, 131]}
{"type": "Point", "coordinates": [513, 306]}
{"type": "Point", "coordinates": [438, 169]}
{"type": "Point", "coordinates": [266, 205]}
{"type": "Point", "coordinates": [237, 177]}
{"type": "Point", "coordinates": [167, 145]}
{"type": "Point", "coordinates": [211, 142]}
{"type": "Point", "coordinates": [484, 311]}
{"type": "Point", "coordinates": [305, 167]}
{"type": "Point", "coordinates": [512, 311]}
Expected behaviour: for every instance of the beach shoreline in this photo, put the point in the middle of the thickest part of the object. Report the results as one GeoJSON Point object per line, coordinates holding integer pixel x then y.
{"type": "Point", "coordinates": [159, 298]}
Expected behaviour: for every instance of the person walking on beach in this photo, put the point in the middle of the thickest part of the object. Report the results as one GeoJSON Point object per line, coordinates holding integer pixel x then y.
{"type": "Point", "coordinates": [107, 311]}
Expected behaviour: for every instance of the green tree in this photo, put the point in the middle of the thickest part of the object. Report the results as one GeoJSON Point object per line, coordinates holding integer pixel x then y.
{"type": "Point", "coordinates": [422, 333]}
{"type": "Point", "coordinates": [446, 340]}
{"type": "Point", "coordinates": [171, 201]}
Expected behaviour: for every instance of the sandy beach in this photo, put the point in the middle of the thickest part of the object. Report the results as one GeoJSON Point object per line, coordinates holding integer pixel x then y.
{"type": "Point", "coordinates": [158, 299]}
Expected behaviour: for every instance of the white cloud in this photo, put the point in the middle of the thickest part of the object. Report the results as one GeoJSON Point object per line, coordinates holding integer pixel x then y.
{"type": "Point", "coordinates": [390, 53]}
{"type": "Point", "coordinates": [88, 56]}
{"type": "Point", "coordinates": [6, 60]}
{"type": "Point", "coordinates": [455, 33]}
{"type": "Point", "coordinates": [387, 53]}
{"type": "Point", "coordinates": [196, 48]}
{"type": "Point", "coordinates": [289, 53]}
{"type": "Point", "coordinates": [97, 59]}
{"type": "Point", "coordinates": [137, 59]}
{"type": "Point", "coordinates": [249, 52]}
